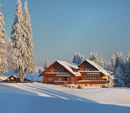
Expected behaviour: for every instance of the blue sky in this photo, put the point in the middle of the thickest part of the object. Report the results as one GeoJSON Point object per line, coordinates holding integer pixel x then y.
{"type": "Point", "coordinates": [63, 27]}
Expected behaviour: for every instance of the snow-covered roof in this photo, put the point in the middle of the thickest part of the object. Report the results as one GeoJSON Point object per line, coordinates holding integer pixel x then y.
{"type": "Point", "coordinates": [14, 76]}
{"type": "Point", "coordinates": [99, 68]}
{"type": "Point", "coordinates": [3, 77]}
{"type": "Point", "coordinates": [69, 67]}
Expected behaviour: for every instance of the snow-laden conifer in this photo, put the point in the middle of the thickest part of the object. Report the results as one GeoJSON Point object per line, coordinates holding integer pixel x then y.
{"type": "Point", "coordinates": [75, 58]}
{"type": "Point", "coordinates": [94, 57]}
{"type": "Point", "coordinates": [18, 39]}
{"type": "Point", "coordinates": [127, 71]}
{"type": "Point", "coordinates": [78, 58]}
{"type": "Point", "coordinates": [3, 44]}
{"type": "Point", "coordinates": [83, 58]}
{"type": "Point", "coordinates": [91, 56]}
{"type": "Point", "coordinates": [29, 59]}
{"type": "Point", "coordinates": [119, 70]}
{"type": "Point", "coordinates": [111, 64]}
{"type": "Point", "coordinates": [11, 57]}
{"type": "Point", "coordinates": [101, 63]}
{"type": "Point", "coordinates": [47, 64]}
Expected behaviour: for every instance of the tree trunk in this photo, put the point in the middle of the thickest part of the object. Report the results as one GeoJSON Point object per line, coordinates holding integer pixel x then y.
{"type": "Point", "coordinates": [21, 78]}
{"type": "Point", "coordinates": [23, 75]}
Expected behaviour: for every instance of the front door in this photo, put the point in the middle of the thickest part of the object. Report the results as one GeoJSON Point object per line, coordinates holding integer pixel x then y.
{"type": "Point", "coordinates": [72, 80]}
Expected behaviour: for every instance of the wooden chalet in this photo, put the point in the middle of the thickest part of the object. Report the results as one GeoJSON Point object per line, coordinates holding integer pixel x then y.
{"type": "Point", "coordinates": [13, 78]}
{"type": "Point", "coordinates": [87, 74]}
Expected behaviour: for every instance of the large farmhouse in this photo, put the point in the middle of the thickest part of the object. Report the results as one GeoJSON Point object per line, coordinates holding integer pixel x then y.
{"type": "Point", "coordinates": [88, 74]}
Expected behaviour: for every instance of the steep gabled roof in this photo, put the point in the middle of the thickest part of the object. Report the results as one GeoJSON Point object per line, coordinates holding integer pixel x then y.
{"type": "Point", "coordinates": [99, 68]}
{"type": "Point", "coordinates": [69, 67]}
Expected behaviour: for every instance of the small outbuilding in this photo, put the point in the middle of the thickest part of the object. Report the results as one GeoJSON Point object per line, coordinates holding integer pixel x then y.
{"type": "Point", "coordinates": [13, 78]}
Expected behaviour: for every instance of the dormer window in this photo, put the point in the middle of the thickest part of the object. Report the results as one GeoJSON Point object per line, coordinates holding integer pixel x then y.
{"type": "Point", "coordinates": [82, 69]}
{"type": "Point", "coordinates": [53, 70]}
{"type": "Point", "coordinates": [91, 69]}
{"type": "Point", "coordinates": [61, 70]}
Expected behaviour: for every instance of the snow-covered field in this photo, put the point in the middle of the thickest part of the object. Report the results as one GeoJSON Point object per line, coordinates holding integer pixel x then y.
{"type": "Point", "coordinates": [43, 98]}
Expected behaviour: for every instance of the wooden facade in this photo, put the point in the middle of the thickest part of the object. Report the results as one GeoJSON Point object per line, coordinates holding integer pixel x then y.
{"type": "Point", "coordinates": [13, 78]}
{"type": "Point", "coordinates": [59, 73]}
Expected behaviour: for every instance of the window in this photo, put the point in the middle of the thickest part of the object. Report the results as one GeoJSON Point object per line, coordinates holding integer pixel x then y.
{"type": "Point", "coordinates": [86, 69]}
{"type": "Point", "coordinates": [95, 77]}
{"type": "Point", "coordinates": [73, 79]}
{"type": "Point", "coordinates": [69, 79]}
{"type": "Point", "coordinates": [61, 70]}
{"type": "Point", "coordinates": [53, 70]}
{"type": "Point", "coordinates": [82, 69]}
{"type": "Point", "coordinates": [86, 78]}
{"type": "Point", "coordinates": [91, 69]}
{"type": "Point", "coordinates": [63, 79]}
{"type": "Point", "coordinates": [60, 79]}
{"type": "Point", "coordinates": [50, 79]}
{"type": "Point", "coordinates": [91, 77]}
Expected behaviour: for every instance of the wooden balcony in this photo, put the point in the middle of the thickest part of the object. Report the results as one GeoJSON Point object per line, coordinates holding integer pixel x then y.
{"type": "Point", "coordinates": [62, 82]}
{"type": "Point", "coordinates": [92, 82]}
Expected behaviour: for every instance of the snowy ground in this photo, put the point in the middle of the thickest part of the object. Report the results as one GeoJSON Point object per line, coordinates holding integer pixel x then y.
{"type": "Point", "coordinates": [43, 98]}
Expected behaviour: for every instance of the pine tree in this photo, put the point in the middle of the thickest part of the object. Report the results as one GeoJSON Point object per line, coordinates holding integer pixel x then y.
{"type": "Point", "coordinates": [75, 58]}
{"type": "Point", "coordinates": [29, 62]}
{"type": "Point", "coordinates": [78, 59]}
{"type": "Point", "coordinates": [94, 57]}
{"type": "Point", "coordinates": [3, 44]}
{"type": "Point", "coordinates": [127, 71]}
{"type": "Point", "coordinates": [11, 56]}
{"type": "Point", "coordinates": [111, 64]}
{"type": "Point", "coordinates": [101, 63]}
{"type": "Point", "coordinates": [47, 64]}
{"type": "Point", "coordinates": [119, 71]}
{"type": "Point", "coordinates": [18, 39]}
{"type": "Point", "coordinates": [91, 56]}
{"type": "Point", "coordinates": [83, 58]}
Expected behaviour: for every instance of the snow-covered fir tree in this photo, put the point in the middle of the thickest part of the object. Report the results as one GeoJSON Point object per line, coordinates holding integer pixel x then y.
{"type": "Point", "coordinates": [91, 56]}
{"type": "Point", "coordinates": [78, 58]}
{"type": "Point", "coordinates": [119, 70]}
{"type": "Point", "coordinates": [18, 39]}
{"type": "Point", "coordinates": [29, 65]}
{"type": "Point", "coordinates": [40, 71]}
{"type": "Point", "coordinates": [11, 56]}
{"type": "Point", "coordinates": [127, 71]}
{"type": "Point", "coordinates": [110, 65]}
{"type": "Point", "coordinates": [47, 64]}
{"type": "Point", "coordinates": [3, 44]}
{"type": "Point", "coordinates": [83, 58]}
{"type": "Point", "coordinates": [94, 57]}
{"type": "Point", "coordinates": [75, 58]}
{"type": "Point", "coordinates": [101, 63]}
